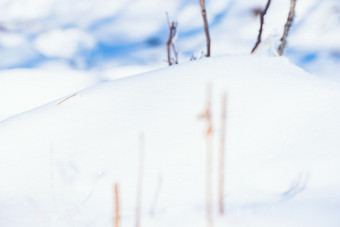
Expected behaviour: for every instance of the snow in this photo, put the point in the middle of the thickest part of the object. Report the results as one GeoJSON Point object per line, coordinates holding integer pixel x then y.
{"type": "Point", "coordinates": [59, 162]}
{"type": "Point", "coordinates": [25, 89]}
{"type": "Point", "coordinates": [81, 81]}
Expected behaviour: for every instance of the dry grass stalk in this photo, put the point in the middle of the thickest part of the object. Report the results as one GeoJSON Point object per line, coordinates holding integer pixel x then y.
{"type": "Point", "coordinates": [170, 44]}
{"type": "Point", "coordinates": [140, 180]}
{"type": "Point", "coordinates": [287, 27]}
{"type": "Point", "coordinates": [259, 37]}
{"type": "Point", "coordinates": [158, 190]}
{"type": "Point", "coordinates": [116, 202]}
{"type": "Point", "coordinates": [66, 99]}
{"type": "Point", "coordinates": [206, 26]}
{"type": "Point", "coordinates": [222, 155]}
{"type": "Point", "coordinates": [209, 159]}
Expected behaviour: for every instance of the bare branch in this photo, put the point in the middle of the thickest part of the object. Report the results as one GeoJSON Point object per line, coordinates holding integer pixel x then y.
{"type": "Point", "coordinates": [259, 37]}
{"type": "Point", "coordinates": [287, 27]}
{"type": "Point", "coordinates": [206, 26]}
{"type": "Point", "coordinates": [170, 45]}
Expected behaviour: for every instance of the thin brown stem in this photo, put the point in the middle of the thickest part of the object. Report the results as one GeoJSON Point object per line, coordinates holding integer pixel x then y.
{"type": "Point", "coordinates": [287, 27]}
{"type": "Point", "coordinates": [206, 26]}
{"type": "Point", "coordinates": [66, 99]}
{"type": "Point", "coordinates": [170, 44]}
{"type": "Point", "coordinates": [116, 202]}
{"type": "Point", "coordinates": [259, 37]}
{"type": "Point", "coordinates": [206, 116]}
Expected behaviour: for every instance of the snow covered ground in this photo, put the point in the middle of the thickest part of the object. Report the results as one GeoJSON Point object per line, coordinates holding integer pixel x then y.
{"type": "Point", "coordinates": [71, 113]}
{"type": "Point", "coordinates": [59, 162]}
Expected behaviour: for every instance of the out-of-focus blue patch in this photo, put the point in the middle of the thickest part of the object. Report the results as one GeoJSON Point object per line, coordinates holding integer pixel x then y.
{"type": "Point", "coordinates": [336, 56]}
{"type": "Point", "coordinates": [219, 17]}
{"type": "Point", "coordinates": [309, 57]}
{"type": "Point", "coordinates": [114, 50]}
{"type": "Point", "coordinates": [154, 41]}
{"type": "Point", "coordinates": [301, 58]}
{"type": "Point", "coordinates": [30, 63]}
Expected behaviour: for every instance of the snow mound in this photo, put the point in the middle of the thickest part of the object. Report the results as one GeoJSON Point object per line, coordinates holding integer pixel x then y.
{"type": "Point", "coordinates": [58, 163]}
{"type": "Point", "coordinates": [24, 89]}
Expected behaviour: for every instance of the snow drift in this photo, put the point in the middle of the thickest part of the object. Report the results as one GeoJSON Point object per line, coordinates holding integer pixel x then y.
{"type": "Point", "coordinates": [58, 163]}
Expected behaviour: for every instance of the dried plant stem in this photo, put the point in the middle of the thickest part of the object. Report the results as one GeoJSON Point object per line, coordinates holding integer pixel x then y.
{"type": "Point", "coordinates": [66, 99]}
{"type": "Point", "coordinates": [209, 181]}
{"type": "Point", "coordinates": [259, 37]}
{"type": "Point", "coordinates": [206, 26]}
{"type": "Point", "coordinates": [206, 115]}
{"type": "Point", "coordinates": [140, 180]}
{"type": "Point", "coordinates": [287, 27]}
{"type": "Point", "coordinates": [222, 155]}
{"type": "Point", "coordinates": [116, 202]}
{"type": "Point", "coordinates": [169, 44]}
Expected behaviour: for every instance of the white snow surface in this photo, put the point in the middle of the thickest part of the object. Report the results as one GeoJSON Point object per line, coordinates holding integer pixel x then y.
{"type": "Point", "coordinates": [59, 162]}
{"type": "Point", "coordinates": [25, 89]}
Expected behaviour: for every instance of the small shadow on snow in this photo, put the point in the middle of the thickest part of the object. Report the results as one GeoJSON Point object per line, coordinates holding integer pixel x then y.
{"type": "Point", "coordinates": [297, 186]}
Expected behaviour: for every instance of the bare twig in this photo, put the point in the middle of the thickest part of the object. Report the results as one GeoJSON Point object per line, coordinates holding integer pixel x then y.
{"type": "Point", "coordinates": [259, 37]}
{"type": "Point", "coordinates": [206, 26]}
{"type": "Point", "coordinates": [208, 135]}
{"type": "Point", "coordinates": [140, 180]}
{"type": "Point", "coordinates": [222, 155]}
{"type": "Point", "coordinates": [116, 202]}
{"type": "Point", "coordinates": [170, 44]}
{"type": "Point", "coordinates": [66, 99]}
{"type": "Point", "coordinates": [209, 161]}
{"type": "Point", "coordinates": [287, 27]}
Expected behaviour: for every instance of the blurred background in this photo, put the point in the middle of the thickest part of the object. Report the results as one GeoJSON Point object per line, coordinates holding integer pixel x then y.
{"type": "Point", "coordinates": [55, 47]}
